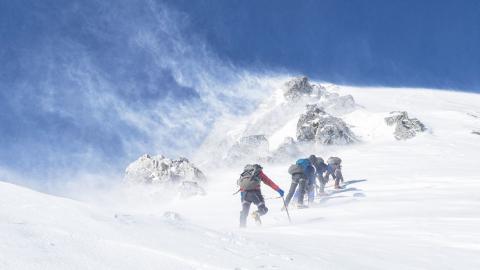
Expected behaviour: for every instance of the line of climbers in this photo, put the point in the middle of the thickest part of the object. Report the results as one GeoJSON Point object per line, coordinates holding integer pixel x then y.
{"type": "Point", "coordinates": [304, 174]}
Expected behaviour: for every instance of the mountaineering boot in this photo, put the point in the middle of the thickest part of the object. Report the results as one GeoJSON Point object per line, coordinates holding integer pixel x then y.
{"type": "Point", "coordinates": [256, 216]}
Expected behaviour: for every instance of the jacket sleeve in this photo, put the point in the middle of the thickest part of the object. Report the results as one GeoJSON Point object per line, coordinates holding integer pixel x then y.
{"type": "Point", "coordinates": [268, 181]}
{"type": "Point", "coordinates": [321, 170]}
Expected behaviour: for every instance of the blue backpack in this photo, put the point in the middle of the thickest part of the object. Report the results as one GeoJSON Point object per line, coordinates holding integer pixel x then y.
{"type": "Point", "coordinates": [304, 163]}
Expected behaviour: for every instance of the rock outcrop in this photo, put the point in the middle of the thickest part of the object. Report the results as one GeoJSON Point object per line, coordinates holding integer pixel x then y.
{"type": "Point", "coordinates": [318, 126]}
{"type": "Point", "coordinates": [180, 174]}
{"type": "Point", "coordinates": [276, 118]}
{"type": "Point", "coordinates": [335, 103]}
{"type": "Point", "coordinates": [300, 90]}
{"type": "Point", "coordinates": [286, 151]}
{"type": "Point", "coordinates": [405, 127]}
{"type": "Point", "coordinates": [254, 147]}
{"type": "Point", "coordinates": [297, 87]}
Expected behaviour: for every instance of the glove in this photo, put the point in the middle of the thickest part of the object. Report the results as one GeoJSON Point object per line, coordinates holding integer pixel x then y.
{"type": "Point", "coordinates": [281, 192]}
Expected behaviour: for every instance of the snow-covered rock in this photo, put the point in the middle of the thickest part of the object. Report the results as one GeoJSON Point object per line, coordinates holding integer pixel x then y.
{"type": "Point", "coordinates": [337, 104]}
{"type": "Point", "coordinates": [159, 170]}
{"type": "Point", "coordinates": [276, 117]}
{"type": "Point", "coordinates": [296, 88]}
{"type": "Point", "coordinates": [172, 216]}
{"type": "Point", "coordinates": [318, 126]}
{"type": "Point", "coordinates": [477, 132]}
{"type": "Point", "coordinates": [286, 150]}
{"type": "Point", "coordinates": [405, 127]}
{"type": "Point", "coordinates": [301, 89]}
{"type": "Point", "coordinates": [254, 147]}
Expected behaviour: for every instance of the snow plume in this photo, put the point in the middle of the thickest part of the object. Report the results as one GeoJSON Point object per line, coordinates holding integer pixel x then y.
{"type": "Point", "coordinates": [104, 83]}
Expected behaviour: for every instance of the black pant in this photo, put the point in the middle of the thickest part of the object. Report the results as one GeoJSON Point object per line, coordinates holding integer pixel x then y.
{"type": "Point", "coordinates": [248, 197]}
{"type": "Point", "coordinates": [299, 180]}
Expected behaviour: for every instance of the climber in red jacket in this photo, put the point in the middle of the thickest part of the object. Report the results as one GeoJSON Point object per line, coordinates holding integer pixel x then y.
{"type": "Point", "coordinates": [249, 183]}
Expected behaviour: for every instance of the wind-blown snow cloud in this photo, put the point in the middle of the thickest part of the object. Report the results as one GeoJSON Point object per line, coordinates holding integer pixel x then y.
{"type": "Point", "coordinates": [108, 82]}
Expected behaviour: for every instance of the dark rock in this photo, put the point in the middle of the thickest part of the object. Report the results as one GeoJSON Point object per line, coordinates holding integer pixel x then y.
{"type": "Point", "coordinates": [297, 87]}
{"type": "Point", "coordinates": [473, 115]}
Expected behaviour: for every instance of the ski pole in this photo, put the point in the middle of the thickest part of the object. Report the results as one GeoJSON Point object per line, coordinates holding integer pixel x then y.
{"type": "Point", "coordinates": [286, 210]}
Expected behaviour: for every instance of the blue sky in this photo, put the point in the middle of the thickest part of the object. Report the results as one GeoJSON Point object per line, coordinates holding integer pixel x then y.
{"type": "Point", "coordinates": [377, 42]}
{"type": "Point", "coordinates": [87, 86]}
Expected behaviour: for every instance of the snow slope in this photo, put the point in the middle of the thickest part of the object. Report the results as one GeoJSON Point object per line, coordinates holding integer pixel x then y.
{"type": "Point", "coordinates": [40, 231]}
{"type": "Point", "coordinates": [411, 204]}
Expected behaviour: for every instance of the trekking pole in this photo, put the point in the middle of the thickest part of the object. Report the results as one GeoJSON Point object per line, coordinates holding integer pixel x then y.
{"type": "Point", "coordinates": [272, 198]}
{"type": "Point", "coordinates": [286, 210]}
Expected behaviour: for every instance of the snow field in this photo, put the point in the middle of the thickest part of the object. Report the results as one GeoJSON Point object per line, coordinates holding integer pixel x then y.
{"type": "Point", "coordinates": [407, 205]}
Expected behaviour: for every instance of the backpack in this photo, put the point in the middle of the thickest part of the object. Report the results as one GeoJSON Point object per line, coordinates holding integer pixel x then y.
{"type": "Point", "coordinates": [320, 161]}
{"type": "Point", "coordinates": [304, 163]}
{"type": "Point", "coordinates": [249, 179]}
{"type": "Point", "coordinates": [334, 161]}
{"type": "Point", "coordinates": [294, 169]}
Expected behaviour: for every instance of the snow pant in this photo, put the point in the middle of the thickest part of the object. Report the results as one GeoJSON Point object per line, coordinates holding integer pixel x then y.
{"type": "Point", "coordinates": [299, 180]}
{"type": "Point", "coordinates": [337, 174]}
{"type": "Point", "coordinates": [323, 181]}
{"type": "Point", "coordinates": [309, 190]}
{"type": "Point", "coordinates": [248, 197]}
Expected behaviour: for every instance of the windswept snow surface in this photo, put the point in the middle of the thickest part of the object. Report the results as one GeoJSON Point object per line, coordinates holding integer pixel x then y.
{"type": "Point", "coordinates": [411, 204]}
